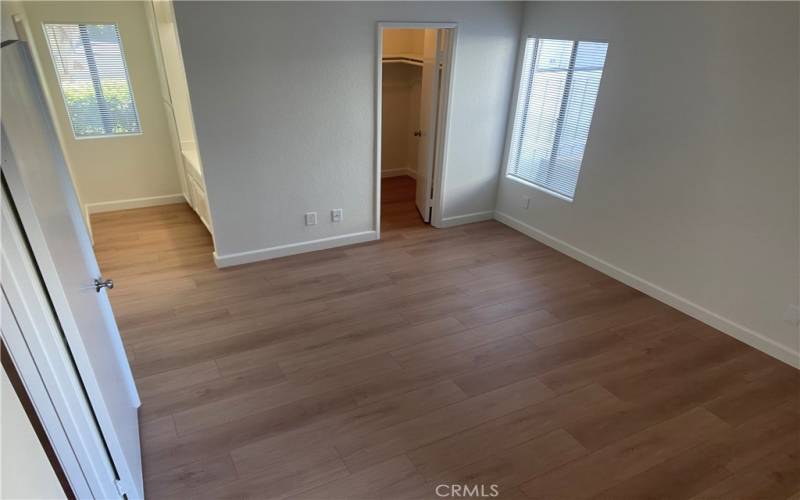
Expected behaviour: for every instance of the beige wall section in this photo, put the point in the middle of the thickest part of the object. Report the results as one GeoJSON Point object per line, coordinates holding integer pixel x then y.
{"type": "Point", "coordinates": [400, 94]}
{"type": "Point", "coordinates": [114, 169]}
{"type": "Point", "coordinates": [25, 471]}
{"type": "Point", "coordinates": [8, 9]}
{"type": "Point", "coordinates": [403, 41]}
{"type": "Point", "coordinates": [690, 176]}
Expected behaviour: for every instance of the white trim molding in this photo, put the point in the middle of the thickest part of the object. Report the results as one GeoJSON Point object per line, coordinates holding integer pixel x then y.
{"type": "Point", "coordinates": [151, 201]}
{"type": "Point", "coordinates": [458, 220]}
{"type": "Point", "coordinates": [236, 259]}
{"type": "Point", "coordinates": [398, 172]}
{"type": "Point", "coordinates": [698, 312]}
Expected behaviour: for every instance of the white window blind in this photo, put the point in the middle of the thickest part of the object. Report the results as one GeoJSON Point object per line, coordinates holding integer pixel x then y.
{"type": "Point", "coordinates": [558, 89]}
{"type": "Point", "coordinates": [93, 77]}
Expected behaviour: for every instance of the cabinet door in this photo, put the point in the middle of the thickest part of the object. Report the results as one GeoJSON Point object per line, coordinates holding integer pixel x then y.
{"type": "Point", "coordinates": [200, 203]}
{"type": "Point", "coordinates": [189, 183]}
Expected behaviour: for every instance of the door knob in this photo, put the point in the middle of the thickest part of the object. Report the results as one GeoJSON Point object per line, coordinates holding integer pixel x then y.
{"type": "Point", "coordinates": [100, 283]}
{"type": "Point", "coordinates": [418, 133]}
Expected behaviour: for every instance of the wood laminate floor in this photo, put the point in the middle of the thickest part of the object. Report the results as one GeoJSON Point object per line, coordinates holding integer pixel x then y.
{"type": "Point", "coordinates": [472, 355]}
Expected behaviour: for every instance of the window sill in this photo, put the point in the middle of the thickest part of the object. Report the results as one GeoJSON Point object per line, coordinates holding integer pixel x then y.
{"type": "Point", "coordinates": [529, 184]}
{"type": "Point", "coordinates": [105, 136]}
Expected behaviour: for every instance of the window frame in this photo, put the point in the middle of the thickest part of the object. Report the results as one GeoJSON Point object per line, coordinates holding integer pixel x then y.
{"type": "Point", "coordinates": [127, 76]}
{"type": "Point", "coordinates": [515, 105]}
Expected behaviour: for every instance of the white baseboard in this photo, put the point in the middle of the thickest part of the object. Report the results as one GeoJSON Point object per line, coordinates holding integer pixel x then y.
{"type": "Point", "coordinates": [398, 172]}
{"type": "Point", "coordinates": [735, 330]}
{"type": "Point", "coordinates": [152, 201]}
{"type": "Point", "coordinates": [236, 259]}
{"type": "Point", "coordinates": [458, 220]}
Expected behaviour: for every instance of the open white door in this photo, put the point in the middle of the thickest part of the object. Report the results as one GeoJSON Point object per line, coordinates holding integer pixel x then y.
{"type": "Point", "coordinates": [37, 176]}
{"type": "Point", "coordinates": [435, 69]}
{"type": "Point", "coordinates": [426, 151]}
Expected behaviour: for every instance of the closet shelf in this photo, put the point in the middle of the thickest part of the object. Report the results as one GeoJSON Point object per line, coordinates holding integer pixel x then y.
{"type": "Point", "coordinates": [403, 58]}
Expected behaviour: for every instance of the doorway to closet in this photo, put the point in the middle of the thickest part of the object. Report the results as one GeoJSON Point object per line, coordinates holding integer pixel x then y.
{"type": "Point", "coordinates": [413, 88]}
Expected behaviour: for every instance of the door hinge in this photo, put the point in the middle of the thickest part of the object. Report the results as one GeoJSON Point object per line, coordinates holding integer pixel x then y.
{"type": "Point", "coordinates": [120, 488]}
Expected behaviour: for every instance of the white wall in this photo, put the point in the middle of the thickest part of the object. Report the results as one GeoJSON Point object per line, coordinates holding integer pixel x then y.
{"type": "Point", "coordinates": [25, 471]}
{"type": "Point", "coordinates": [690, 177]}
{"type": "Point", "coordinates": [284, 105]}
{"type": "Point", "coordinates": [113, 169]}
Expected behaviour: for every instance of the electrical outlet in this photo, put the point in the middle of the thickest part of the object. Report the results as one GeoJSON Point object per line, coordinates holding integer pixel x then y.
{"type": "Point", "coordinates": [311, 218]}
{"type": "Point", "coordinates": [792, 315]}
{"type": "Point", "coordinates": [336, 215]}
{"type": "Point", "coordinates": [526, 204]}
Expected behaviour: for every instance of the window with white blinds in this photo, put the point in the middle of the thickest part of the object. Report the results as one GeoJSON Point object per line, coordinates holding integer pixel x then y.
{"type": "Point", "coordinates": [93, 77]}
{"type": "Point", "coordinates": [557, 92]}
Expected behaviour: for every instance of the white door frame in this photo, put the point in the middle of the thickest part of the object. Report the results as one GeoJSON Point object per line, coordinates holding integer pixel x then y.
{"type": "Point", "coordinates": [37, 347]}
{"type": "Point", "coordinates": [440, 163]}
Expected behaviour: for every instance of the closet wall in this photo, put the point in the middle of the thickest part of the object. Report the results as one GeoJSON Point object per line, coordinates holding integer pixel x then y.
{"type": "Point", "coordinates": [403, 41]}
{"type": "Point", "coordinates": [400, 106]}
{"type": "Point", "coordinates": [401, 89]}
